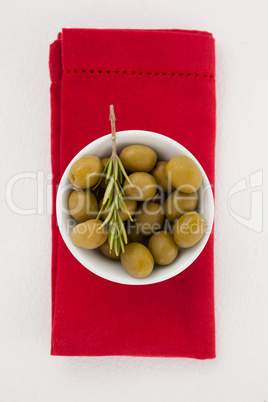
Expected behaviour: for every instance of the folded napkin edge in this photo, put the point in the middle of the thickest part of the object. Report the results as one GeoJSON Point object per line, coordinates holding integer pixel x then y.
{"type": "Point", "coordinates": [171, 30]}
{"type": "Point", "coordinates": [138, 51]}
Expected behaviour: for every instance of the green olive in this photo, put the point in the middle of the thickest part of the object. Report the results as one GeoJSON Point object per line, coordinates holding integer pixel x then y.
{"type": "Point", "coordinates": [135, 236]}
{"type": "Point", "coordinates": [137, 260]}
{"type": "Point", "coordinates": [85, 172]}
{"type": "Point", "coordinates": [131, 207]}
{"type": "Point", "coordinates": [145, 186]}
{"type": "Point", "coordinates": [163, 248]}
{"type": "Point", "coordinates": [89, 234]}
{"type": "Point", "coordinates": [179, 203]}
{"type": "Point", "coordinates": [160, 176]}
{"type": "Point", "coordinates": [184, 174]}
{"type": "Point", "coordinates": [83, 205]}
{"type": "Point", "coordinates": [168, 226]}
{"type": "Point", "coordinates": [149, 218]}
{"type": "Point", "coordinates": [138, 158]}
{"type": "Point", "coordinates": [105, 249]}
{"type": "Point", "coordinates": [189, 229]}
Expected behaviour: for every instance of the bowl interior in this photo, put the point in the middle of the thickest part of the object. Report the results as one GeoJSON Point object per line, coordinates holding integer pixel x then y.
{"type": "Point", "coordinates": [93, 259]}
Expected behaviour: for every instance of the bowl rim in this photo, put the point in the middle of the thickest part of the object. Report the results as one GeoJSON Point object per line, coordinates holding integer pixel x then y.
{"type": "Point", "coordinates": [67, 240]}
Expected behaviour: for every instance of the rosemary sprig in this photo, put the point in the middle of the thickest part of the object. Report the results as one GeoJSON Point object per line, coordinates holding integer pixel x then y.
{"type": "Point", "coordinates": [113, 200]}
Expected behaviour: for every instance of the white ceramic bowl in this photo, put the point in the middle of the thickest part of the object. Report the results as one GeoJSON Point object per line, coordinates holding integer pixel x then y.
{"type": "Point", "coordinates": [93, 260]}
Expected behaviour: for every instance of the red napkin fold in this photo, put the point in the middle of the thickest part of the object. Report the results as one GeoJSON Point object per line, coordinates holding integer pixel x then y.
{"type": "Point", "coordinates": [161, 81]}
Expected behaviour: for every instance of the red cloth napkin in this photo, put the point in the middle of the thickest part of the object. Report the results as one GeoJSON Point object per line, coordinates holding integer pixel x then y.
{"type": "Point", "coordinates": [158, 80]}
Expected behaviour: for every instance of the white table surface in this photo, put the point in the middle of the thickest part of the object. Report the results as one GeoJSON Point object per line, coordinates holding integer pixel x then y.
{"type": "Point", "coordinates": [240, 371]}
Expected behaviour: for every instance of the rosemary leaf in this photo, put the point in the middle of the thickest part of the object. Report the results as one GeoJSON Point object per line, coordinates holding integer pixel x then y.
{"type": "Point", "coordinates": [109, 234]}
{"type": "Point", "coordinates": [104, 207]}
{"type": "Point", "coordinates": [106, 167]}
{"type": "Point", "coordinates": [120, 189]}
{"type": "Point", "coordinates": [109, 169]}
{"type": "Point", "coordinates": [122, 227]}
{"type": "Point", "coordinates": [113, 231]}
{"type": "Point", "coordinates": [120, 176]}
{"type": "Point", "coordinates": [108, 216]}
{"type": "Point", "coordinates": [118, 192]}
{"type": "Point", "coordinates": [102, 175]}
{"type": "Point", "coordinates": [100, 212]}
{"type": "Point", "coordinates": [108, 190]}
{"type": "Point", "coordinates": [125, 208]}
{"type": "Point", "coordinates": [122, 244]}
{"type": "Point", "coordinates": [116, 170]}
{"type": "Point", "coordinates": [116, 199]}
{"type": "Point", "coordinates": [117, 245]}
{"type": "Point", "coordinates": [123, 171]}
